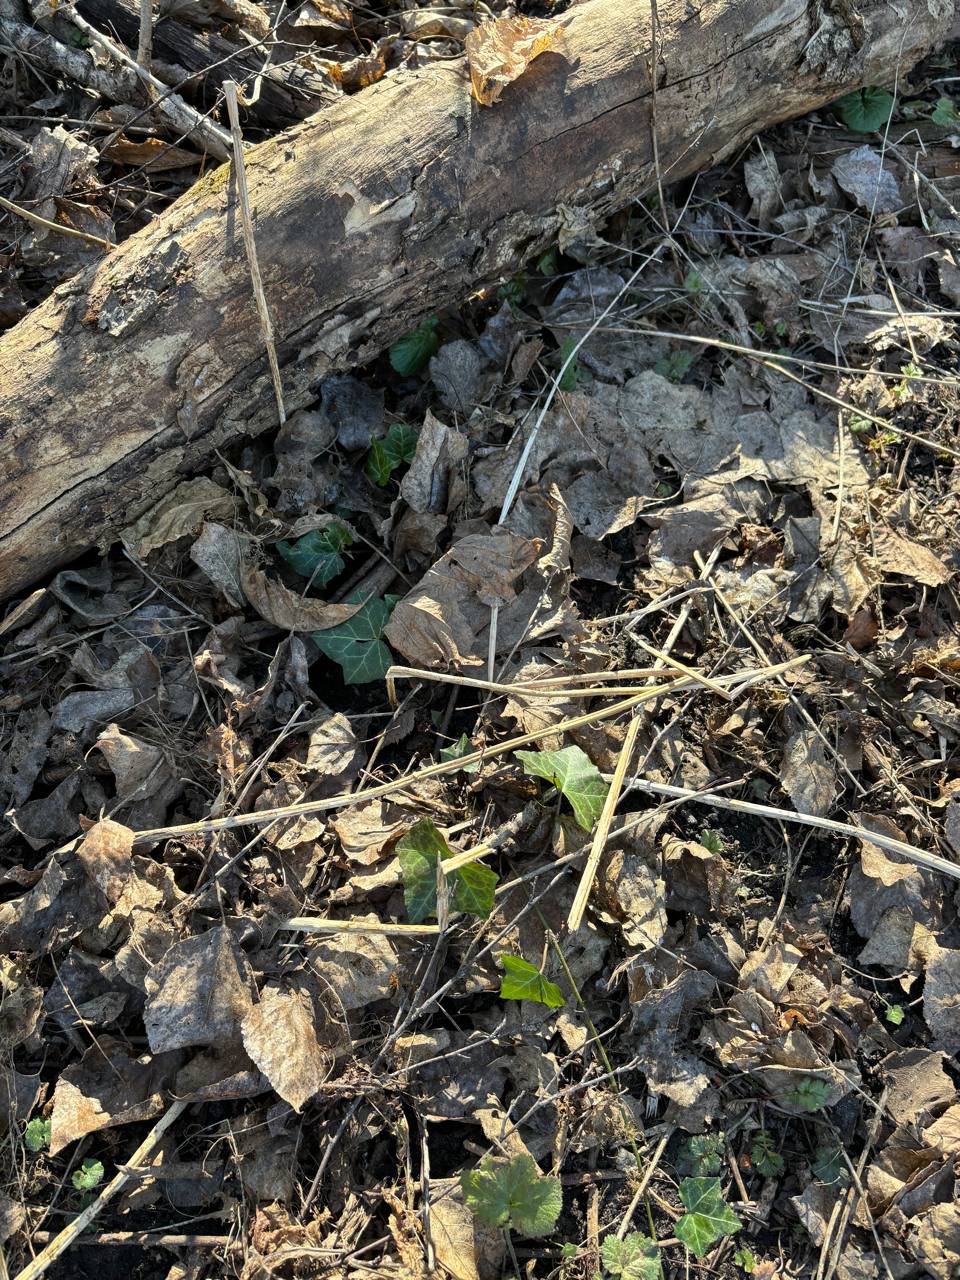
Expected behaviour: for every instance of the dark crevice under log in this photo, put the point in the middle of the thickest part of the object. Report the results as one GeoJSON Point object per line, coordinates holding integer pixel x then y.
{"type": "Point", "coordinates": [379, 210]}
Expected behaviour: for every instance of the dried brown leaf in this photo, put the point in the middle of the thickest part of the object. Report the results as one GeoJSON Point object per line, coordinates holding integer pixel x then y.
{"type": "Point", "coordinates": [287, 609]}
{"type": "Point", "coordinates": [281, 1035]}
{"type": "Point", "coordinates": [501, 49]}
{"type": "Point", "coordinates": [105, 853]}
{"type": "Point", "coordinates": [178, 514]}
{"type": "Point", "coordinates": [807, 776]}
{"type": "Point", "coordinates": [199, 993]}
{"type": "Point", "coordinates": [941, 999]}
{"type": "Point", "coordinates": [105, 1088]}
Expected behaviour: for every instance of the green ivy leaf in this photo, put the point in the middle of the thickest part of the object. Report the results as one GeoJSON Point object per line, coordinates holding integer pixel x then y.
{"type": "Point", "coordinates": [810, 1093]}
{"type": "Point", "coordinates": [946, 113]}
{"type": "Point", "coordinates": [894, 1014]}
{"type": "Point", "coordinates": [420, 852]}
{"type": "Point", "coordinates": [828, 1164]}
{"type": "Point", "coordinates": [524, 981]}
{"type": "Point", "coordinates": [704, 1152]}
{"type": "Point", "coordinates": [574, 774]}
{"type": "Point", "coordinates": [513, 1193]}
{"type": "Point", "coordinates": [865, 109]}
{"type": "Point", "coordinates": [393, 450]}
{"type": "Point", "coordinates": [571, 374]}
{"type": "Point", "coordinates": [746, 1259]}
{"type": "Point", "coordinates": [317, 554]}
{"type": "Point", "coordinates": [357, 644]}
{"type": "Point", "coordinates": [37, 1134]}
{"type": "Point", "coordinates": [513, 290]}
{"type": "Point", "coordinates": [764, 1155]}
{"type": "Point", "coordinates": [708, 1216]}
{"type": "Point", "coordinates": [88, 1176]}
{"type": "Point", "coordinates": [635, 1257]}
{"type": "Point", "coordinates": [412, 353]}
{"type": "Point", "coordinates": [462, 747]}
{"type": "Point", "coordinates": [548, 264]}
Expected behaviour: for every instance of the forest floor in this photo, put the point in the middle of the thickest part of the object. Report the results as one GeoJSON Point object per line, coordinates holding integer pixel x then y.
{"type": "Point", "coordinates": [655, 546]}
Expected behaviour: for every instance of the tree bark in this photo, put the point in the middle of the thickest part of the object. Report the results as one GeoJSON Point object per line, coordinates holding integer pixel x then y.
{"type": "Point", "coordinates": [390, 205]}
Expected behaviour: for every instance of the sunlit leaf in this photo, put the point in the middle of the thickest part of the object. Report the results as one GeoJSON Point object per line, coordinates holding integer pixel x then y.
{"type": "Point", "coordinates": [635, 1257]}
{"type": "Point", "coordinates": [513, 1193]}
{"type": "Point", "coordinates": [420, 852]}
{"type": "Point", "coordinates": [36, 1136]}
{"type": "Point", "coordinates": [500, 50]}
{"type": "Point", "coordinates": [88, 1176]}
{"type": "Point", "coordinates": [708, 1216]}
{"type": "Point", "coordinates": [462, 747]}
{"type": "Point", "coordinates": [524, 981]}
{"type": "Point", "coordinates": [575, 775]}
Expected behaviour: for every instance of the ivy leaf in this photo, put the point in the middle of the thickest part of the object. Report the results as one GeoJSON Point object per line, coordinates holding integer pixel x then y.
{"type": "Point", "coordinates": [635, 1257]}
{"type": "Point", "coordinates": [764, 1155]}
{"type": "Point", "coordinates": [473, 889]}
{"type": "Point", "coordinates": [524, 981]}
{"type": "Point", "coordinates": [513, 1193]}
{"type": "Point", "coordinates": [317, 554]}
{"type": "Point", "coordinates": [393, 450]}
{"type": "Point", "coordinates": [462, 747]}
{"type": "Point", "coordinates": [865, 109]}
{"type": "Point", "coordinates": [357, 644]}
{"type": "Point", "coordinates": [945, 113]}
{"type": "Point", "coordinates": [810, 1093]}
{"type": "Point", "coordinates": [708, 1216]}
{"type": "Point", "coordinates": [704, 1152]}
{"type": "Point", "coordinates": [88, 1176]}
{"type": "Point", "coordinates": [37, 1134]}
{"type": "Point", "coordinates": [571, 374]}
{"type": "Point", "coordinates": [894, 1014]}
{"type": "Point", "coordinates": [574, 774]}
{"type": "Point", "coordinates": [411, 354]}
{"type": "Point", "coordinates": [420, 852]}
{"type": "Point", "coordinates": [827, 1164]}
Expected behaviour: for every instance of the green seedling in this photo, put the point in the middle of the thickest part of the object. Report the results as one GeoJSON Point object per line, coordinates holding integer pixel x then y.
{"type": "Point", "coordinates": [37, 1134]}
{"type": "Point", "coordinates": [513, 1194]}
{"type": "Point", "coordinates": [412, 353]}
{"type": "Point", "coordinates": [88, 1176]}
{"type": "Point", "coordinates": [635, 1257]}
{"type": "Point", "coordinates": [865, 110]}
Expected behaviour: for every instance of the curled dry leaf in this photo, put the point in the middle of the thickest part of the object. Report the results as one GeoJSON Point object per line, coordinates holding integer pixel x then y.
{"type": "Point", "coordinates": [290, 611]}
{"type": "Point", "coordinates": [437, 624]}
{"type": "Point", "coordinates": [180, 513]}
{"type": "Point", "coordinates": [107, 1087]}
{"type": "Point", "coordinates": [499, 52]}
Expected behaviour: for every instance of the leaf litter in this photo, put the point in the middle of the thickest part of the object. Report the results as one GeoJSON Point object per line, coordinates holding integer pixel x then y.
{"type": "Point", "coordinates": [391, 1051]}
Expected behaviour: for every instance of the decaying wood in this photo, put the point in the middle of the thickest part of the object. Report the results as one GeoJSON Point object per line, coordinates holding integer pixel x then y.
{"type": "Point", "coordinates": [387, 206]}
{"type": "Point", "coordinates": [288, 90]}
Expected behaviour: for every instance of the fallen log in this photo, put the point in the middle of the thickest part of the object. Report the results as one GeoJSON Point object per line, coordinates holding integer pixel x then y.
{"type": "Point", "coordinates": [390, 205]}
{"type": "Point", "coordinates": [288, 91]}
